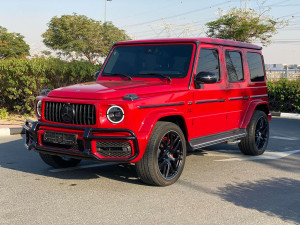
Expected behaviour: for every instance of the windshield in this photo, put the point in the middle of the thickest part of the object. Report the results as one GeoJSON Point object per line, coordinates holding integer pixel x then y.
{"type": "Point", "coordinates": [172, 60]}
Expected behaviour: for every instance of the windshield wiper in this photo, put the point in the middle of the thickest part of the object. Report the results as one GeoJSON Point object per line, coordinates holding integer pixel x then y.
{"type": "Point", "coordinates": [158, 74]}
{"type": "Point", "coordinates": [119, 74]}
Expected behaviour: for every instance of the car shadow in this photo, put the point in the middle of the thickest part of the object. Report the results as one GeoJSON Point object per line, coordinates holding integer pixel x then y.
{"type": "Point", "coordinates": [278, 197]}
{"type": "Point", "coordinates": [198, 152]}
{"type": "Point", "coordinates": [229, 149]}
{"type": "Point", "coordinates": [15, 157]}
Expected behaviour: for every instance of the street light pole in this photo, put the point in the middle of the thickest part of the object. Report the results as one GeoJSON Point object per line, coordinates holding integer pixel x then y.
{"type": "Point", "coordinates": [105, 9]}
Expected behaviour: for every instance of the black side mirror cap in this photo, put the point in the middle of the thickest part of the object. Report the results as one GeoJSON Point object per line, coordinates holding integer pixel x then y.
{"type": "Point", "coordinates": [205, 78]}
{"type": "Point", "coordinates": [45, 92]}
{"type": "Point", "coordinates": [97, 74]}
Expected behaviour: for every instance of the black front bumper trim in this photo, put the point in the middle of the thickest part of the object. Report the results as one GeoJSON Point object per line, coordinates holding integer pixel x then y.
{"type": "Point", "coordinates": [31, 141]}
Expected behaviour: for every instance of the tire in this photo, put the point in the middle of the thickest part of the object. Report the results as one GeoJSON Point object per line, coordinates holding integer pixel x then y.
{"type": "Point", "coordinates": [59, 162]}
{"type": "Point", "coordinates": [164, 157]}
{"type": "Point", "coordinates": [256, 141]}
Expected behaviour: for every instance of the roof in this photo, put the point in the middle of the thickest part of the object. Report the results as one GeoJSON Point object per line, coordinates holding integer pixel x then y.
{"type": "Point", "coordinates": [203, 40]}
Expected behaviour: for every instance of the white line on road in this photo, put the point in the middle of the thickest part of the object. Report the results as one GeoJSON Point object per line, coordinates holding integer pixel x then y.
{"type": "Point", "coordinates": [82, 167]}
{"type": "Point", "coordinates": [285, 138]}
{"type": "Point", "coordinates": [266, 155]}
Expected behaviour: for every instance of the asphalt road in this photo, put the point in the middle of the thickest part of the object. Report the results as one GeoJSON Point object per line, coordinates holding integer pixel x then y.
{"type": "Point", "coordinates": [218, 186]}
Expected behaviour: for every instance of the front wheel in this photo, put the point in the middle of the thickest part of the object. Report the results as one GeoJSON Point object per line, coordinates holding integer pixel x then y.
{"type": "Point", "coordinates": [59, 162]}
{"type": "Point", "coordinates": [256, 141]}
{"type": "Point", "coordinates": [164, 158]}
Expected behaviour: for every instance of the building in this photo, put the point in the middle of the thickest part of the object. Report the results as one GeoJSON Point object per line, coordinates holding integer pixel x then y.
{"type": "Point", "coordinates": [274, 67]}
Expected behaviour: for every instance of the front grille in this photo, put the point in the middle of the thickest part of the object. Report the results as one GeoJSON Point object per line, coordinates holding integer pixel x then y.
{"type": "Point", "coordinates": [83, 114]}
{"type": "Point", "coordinates": [114, 149]}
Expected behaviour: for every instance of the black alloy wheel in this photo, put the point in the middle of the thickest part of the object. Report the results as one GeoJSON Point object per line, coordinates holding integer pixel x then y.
{"type": "Point", "coordinates": [257, 138]}
{"type": "Point", "coordinates": [261, 133]}
{"type": "Point", "coordinates": [170, 154]}
{"type": "Point", "coordinates": [164, 157]}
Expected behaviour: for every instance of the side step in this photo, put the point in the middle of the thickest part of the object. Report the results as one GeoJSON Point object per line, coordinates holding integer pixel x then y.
{"type": "Point", "coordinates": [217, 138]}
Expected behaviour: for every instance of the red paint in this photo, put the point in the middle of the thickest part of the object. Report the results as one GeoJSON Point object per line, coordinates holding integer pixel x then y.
{"type": "Point", "coordinates": [200, 119]}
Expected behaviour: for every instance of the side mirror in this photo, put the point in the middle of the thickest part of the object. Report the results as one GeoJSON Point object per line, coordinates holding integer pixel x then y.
{"type": "Point", "coordinates": [97, 74]}
{"type": "Point", "coordinates": [205, 78]}
{"type": "Point", "coordinates": [45, 92]}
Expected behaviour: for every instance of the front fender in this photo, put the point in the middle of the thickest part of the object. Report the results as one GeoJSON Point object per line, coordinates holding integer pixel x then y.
{"type": "Point", "coordinates": [148, 124]}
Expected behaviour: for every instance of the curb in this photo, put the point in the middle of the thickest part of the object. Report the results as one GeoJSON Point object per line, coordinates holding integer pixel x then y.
{"type": "Point", "coordinates": [286, 115]}
{"type": "Point", "coordinates": [6, 130]}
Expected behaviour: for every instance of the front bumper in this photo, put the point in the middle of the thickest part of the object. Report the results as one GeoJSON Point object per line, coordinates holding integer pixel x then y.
{"type": "Point", "coordinates": [89, 138]}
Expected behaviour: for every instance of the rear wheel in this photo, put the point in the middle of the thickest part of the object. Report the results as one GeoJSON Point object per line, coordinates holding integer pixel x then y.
{"type": "Point", "coordinates": [164, 158]}
{"type": "Point", "coordinates": [59, 162]}
{"type": "Point", "coordinates": [256, 141]}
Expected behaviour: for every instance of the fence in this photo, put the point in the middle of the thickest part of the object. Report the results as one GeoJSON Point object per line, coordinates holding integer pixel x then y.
{"type": "Point", "coordinates": [275, 75]}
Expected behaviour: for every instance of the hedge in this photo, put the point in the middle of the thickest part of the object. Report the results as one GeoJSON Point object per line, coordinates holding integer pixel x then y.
{"type": "Point", "coordinates": [21, 79]}
{"type": "Point", "coordinates": [284, 95]}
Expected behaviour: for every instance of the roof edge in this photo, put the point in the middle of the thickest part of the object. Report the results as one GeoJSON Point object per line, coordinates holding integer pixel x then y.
{"type": "Point", "coordinates": [201, 40]}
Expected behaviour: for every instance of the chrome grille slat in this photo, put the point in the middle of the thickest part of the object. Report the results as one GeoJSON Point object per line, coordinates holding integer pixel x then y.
{"type": "Point", "coordinates": [80, 114]}
{"type": "Point", "coordinates": [93, 113]}
{"type": "Point", "coordinates": [73, 107]}
{"type": "Point", "coordinates": [59, 111]}
{"type": "Point", "coordinates": [88, 115]}
{"type": "Point", "coordinates": [50, 111]}
{"type": "Point", "coordinates": [76, 114]}
{"type": "Point", "coordinates": [46, 110]}
{"type": "Point", "coordinates": [53, 111]}
{"type": "Point", "coordinates": [56, 112]}
{"type": "Point", "coordinates": [84, 114]}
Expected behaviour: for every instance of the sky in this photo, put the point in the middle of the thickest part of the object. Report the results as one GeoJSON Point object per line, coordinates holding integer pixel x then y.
{"type": "Point", "coordinates": [143, 19]}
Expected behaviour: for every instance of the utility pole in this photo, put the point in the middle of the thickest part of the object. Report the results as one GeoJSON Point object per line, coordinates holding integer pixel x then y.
{"type": "Point", "coordinates": [105, 9]}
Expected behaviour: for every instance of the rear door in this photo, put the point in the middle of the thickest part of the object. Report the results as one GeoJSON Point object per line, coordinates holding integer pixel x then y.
{"type": "Point", "coordinates": [237, 86]}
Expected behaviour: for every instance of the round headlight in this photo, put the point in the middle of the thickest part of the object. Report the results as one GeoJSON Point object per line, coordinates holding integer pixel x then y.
{"type": "Point", "coordinates": [115, 114]}
{"type": "Point", "coordinates": [39, 107]}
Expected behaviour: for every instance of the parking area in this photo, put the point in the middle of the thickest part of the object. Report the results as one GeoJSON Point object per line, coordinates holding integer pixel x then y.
{"type": "Point", "coordinates": [219, 185]}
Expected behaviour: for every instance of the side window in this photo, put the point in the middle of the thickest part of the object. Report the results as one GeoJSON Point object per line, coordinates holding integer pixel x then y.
{"type": "Point", "coordinates": [234, 66]}
{"type": "Point", "coordinates": [209, 62]}
{"type": "Point", "coordinates": [255, 65]}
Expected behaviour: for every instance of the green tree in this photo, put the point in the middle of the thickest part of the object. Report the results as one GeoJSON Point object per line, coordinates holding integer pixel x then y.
{"type": "Point", "coordinates": [245, 25]}
{"type": "Point", "coordinates": [81, 35]}
{"type": "Point", "coordinates": [12, 44]}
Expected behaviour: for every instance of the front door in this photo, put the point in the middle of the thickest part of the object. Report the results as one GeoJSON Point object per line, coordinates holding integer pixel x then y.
{"type": "Point", "coordinates": [209, 101]}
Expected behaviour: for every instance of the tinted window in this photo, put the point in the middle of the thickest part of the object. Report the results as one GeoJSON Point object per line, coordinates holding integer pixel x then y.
{"type": "Point", "coordinates": [209, 62]}
{"type": "Point", "coordinates": [234, 66]}
{"type": "Point", "coordinates": [146, 60]}
{"type": "Point", "coordinates": [255, 66]}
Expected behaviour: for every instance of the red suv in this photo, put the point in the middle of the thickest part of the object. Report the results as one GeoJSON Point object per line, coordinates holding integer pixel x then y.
{"type": "Point", "coordinates": [151, 102]}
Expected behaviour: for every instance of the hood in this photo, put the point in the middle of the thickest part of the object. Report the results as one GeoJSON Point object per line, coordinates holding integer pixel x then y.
{"type": "Point", "coordinates": [111, 89]}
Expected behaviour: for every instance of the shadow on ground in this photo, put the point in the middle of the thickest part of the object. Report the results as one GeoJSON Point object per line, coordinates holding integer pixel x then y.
{"type": "Point", "coordinates": [14, 156]}
{"type": "Point", "coordinates": [278, 197]}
